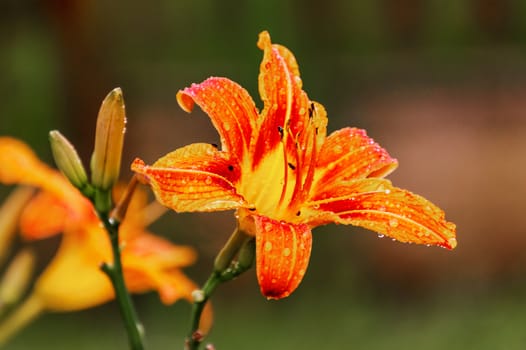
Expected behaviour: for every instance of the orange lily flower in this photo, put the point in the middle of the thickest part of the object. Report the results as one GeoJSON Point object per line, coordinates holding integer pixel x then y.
{"type": "Point", "coordinates": [284, 175]}
{"type": "Point", "coordinates": [73, 279]}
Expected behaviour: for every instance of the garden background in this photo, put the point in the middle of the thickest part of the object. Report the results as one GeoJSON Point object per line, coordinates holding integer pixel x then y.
{"type": "Point", "coordinates": [441, 84]}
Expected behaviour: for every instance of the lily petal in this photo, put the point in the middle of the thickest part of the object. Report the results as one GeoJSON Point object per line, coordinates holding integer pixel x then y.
{"type": "Point", "coordinates": [20, 165]}
{"type": "Point", "coordinates": [350, 154]}
{"type": "Point", "coordinates": [153, 263]}
{"type": "Point", "coordinates": [230, 108]}
{"type": "Point", "coordinates": [43, 216]}
{"type": "Point", "coordinates": [197, 177]}
{"type": "Point", "coordinates": [158, 251]}
{"type": "Point", "coordinates": [72, 280]}
{"type": "Point", "coordinates": [282, 255]}
{"type": "Point", "coordinates": [378, 206]}
{"type": "Point", "coordinates": [285, 104]}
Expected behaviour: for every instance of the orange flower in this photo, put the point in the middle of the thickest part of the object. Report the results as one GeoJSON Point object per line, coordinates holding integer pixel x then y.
{"type": "Point", "coordinates": [73, 279]}
{"type": "Point", "coordinates": [284, 175]}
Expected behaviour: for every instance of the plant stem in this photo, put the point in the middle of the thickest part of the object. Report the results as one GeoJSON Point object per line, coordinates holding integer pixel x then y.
{"type": "Point", "coordinates": [115, 274]}
{"type": "Point", "coordinates": [200, 299]}
{"type": "Point", "coordinates": [239, 244]}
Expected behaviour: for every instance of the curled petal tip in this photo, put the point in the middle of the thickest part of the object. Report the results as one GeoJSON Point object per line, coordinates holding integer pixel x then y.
{"type": "Point", "coordinates": [264, 39]}
{"type": "Point", "coordinates": [185, 102]}
{"type": "Point", "coordinates": [117, 92]}
{"type": "Point", "coordinates": [138, 166]}
{"type": "Point", "coordinates": [452, 243]}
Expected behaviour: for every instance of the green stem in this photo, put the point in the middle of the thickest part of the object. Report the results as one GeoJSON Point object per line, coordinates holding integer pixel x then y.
{"type": "Point", "coordinates": [200, 299]}
{"type": "Point", "coordinates": [115, 274]}
{"type": "Point", "coordinates": [239, 244]}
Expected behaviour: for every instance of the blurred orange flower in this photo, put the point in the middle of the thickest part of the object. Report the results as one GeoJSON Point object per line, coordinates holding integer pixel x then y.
{"type": "Point", "coordinates": [73, 279]}
{"type": "Point", "coordinates": [284, 175]}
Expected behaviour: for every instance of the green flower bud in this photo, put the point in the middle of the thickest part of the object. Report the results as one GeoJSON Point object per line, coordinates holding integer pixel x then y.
{"type": "Point", "coordinates": [247, 254]}
{"type": "Point", "coordinates": [67, 159]}
{"type": "Point", "coordinates": [10, 212]}
{"type": "Point", "coordinates": [17, 277]}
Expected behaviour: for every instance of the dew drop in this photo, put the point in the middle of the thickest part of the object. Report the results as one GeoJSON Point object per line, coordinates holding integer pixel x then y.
{"type": "Point", "coordinates": [393, 223]}
{"type": "Point", "coordinates": [226, 126]}
{"type": "Point", "coordinates": [302, 111]}
{"type": "Point", "coordinates": [381, 236]}
{"type": "Point", "coordinates": [338, 149]}
{"type": "Point", "coordinates": [268, 246]}
{"type": "Point", "coordinates": [208, 180]}
{"type": "Point", "coordinates": [273, 281]}
{"type": "Point", "coordinates": [286, 252]}
{"type": "Point", "coordinates": [387, 191]}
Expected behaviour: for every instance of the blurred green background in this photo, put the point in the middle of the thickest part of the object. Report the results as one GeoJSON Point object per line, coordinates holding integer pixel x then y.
{"type": "Point", "coordinates": [441, 84]}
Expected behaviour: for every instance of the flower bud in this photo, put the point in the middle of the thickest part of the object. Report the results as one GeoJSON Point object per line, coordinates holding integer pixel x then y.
{"type": "Point", "coordinates": [247, 254]}
{"type": "Point", "coordinates": [109, 139]}
{"type": "Point", "coordinates": [17, 277]}
{"type": "Point", "coordinates": [67, 159]}
{"type": "Point", "coordinates": [225, 257]}
{"type": "Point", "coordinates": [9, 217]}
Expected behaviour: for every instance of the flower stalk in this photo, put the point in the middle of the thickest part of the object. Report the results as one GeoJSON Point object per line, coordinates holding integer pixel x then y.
{"type": "Point", "coordinates": [105, 168]}
{"type": "Point", "coordinates": [111, 221]}
{"type": "Point", "coordinates": [114, 272]}
{"type": "Point", "coordinates": [226, 268]}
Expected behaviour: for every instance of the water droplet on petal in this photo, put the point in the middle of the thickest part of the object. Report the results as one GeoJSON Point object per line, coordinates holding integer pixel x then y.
{"type": "Point", "coordinates": [393, 223]}
{"type": "Point", "coordinates": [286, 252]}
{"type": "Point", "coordinates": [267, 246]}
